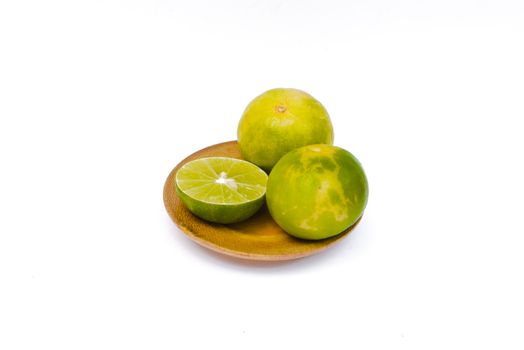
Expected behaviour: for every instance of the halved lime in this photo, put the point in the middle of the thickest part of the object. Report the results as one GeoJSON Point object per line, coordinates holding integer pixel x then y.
{"type": "Point", "coordinates": [220, 189]}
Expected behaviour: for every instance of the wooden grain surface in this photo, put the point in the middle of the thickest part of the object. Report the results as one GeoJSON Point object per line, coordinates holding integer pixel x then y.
{"type": "Point", "coordinates": [258, 238]}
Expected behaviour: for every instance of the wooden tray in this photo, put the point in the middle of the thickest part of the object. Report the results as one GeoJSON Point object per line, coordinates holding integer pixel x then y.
{"type": "Point", "coordinates": [258, 238]}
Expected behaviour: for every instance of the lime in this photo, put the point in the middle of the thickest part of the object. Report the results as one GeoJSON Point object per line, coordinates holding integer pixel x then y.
{"type": "Point", "coordinates": [220, 189]}
{"type": "Point", "coordinates": [279, 121]}
{"type": "Point", "coordinates": [317, 191]}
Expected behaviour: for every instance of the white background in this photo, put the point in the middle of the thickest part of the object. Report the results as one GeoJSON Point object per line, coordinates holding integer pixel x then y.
{"type": "Point", "coordinates": [99, 100]}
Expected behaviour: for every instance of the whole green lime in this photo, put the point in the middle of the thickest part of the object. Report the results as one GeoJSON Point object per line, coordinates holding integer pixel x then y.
{"type": "Point", "coordinates": [279, 121]}
{"type": "Point", "coordinates": [317, 191]}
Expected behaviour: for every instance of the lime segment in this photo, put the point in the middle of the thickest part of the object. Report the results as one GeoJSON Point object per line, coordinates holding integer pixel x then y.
{"type": "Point", "coordinates": [220, 189]}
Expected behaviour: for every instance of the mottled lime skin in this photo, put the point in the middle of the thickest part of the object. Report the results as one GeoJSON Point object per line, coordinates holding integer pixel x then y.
{"type": "Point", "coordinates": [317, 191]}
{"type": "Point", "coordinates": [279, 121]}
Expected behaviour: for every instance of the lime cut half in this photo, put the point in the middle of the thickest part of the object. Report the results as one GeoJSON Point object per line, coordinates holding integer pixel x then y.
{"type": "Point", "coordinates": [221, 189]}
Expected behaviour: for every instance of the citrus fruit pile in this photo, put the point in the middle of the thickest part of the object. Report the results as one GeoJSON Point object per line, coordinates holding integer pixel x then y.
{"type": "Point", "coordinates": [314, 190]}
